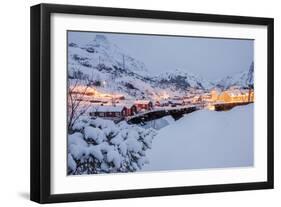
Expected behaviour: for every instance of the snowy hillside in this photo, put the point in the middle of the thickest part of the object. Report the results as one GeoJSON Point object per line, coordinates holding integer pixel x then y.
{"type": "Point", "coordinates": [102, 62]}
{"type": "Point", "coordinates": [243, 79]}
{"type": "Point", "coordinates": [101, 51]}
{"type": "Point", "coordinates": [205, 139]}
{"type": "Point", "coordinates": [111, 69]}
{"type": "Point", "coordinates": [182, 80]}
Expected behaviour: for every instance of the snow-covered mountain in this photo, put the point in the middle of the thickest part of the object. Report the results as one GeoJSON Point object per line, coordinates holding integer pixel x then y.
{"type": "Point", "coordinates": [182, 80]}
{"type": "Point", "coordinates": [244, 79]}
{"type": "Point", "coordinates": [110, 68]}
{"type": "Point", "coordinates": [101, 51]}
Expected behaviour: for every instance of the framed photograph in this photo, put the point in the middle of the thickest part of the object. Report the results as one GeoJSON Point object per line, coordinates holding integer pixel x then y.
{"type": "Point", "coordinates": [133, 103]}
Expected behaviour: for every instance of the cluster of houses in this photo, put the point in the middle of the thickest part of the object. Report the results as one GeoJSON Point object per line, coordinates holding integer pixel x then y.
{"type": "Point", "coordinates": [233, 96]}
{"type": "Point", "coordinates": [226, 100]}
{"type": "Point", "coordinates": [119, 111]}
{"type": "Point", "coordinates": [169, 102]}
{"type": "Point", "coordinates": [191, 99]}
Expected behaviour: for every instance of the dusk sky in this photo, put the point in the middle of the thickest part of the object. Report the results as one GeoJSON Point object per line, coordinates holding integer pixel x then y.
{"type": "Point", "coordinates": [210, 58]}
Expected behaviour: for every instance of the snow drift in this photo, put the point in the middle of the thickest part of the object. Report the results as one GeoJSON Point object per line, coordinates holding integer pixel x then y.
{"type": "Point", "coordinates": [205, 139]}
{"type": "Point", "coordinates": [159, 123]}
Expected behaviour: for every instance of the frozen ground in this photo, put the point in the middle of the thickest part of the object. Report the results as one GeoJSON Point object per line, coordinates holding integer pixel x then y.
{"type": "Point", "coordinates": [204, 139]}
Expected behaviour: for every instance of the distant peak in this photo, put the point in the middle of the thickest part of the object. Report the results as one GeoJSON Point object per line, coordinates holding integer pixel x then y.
{"type": "Point", "coordinates": [179, 72]}
{"type": "Point", "coordinates": [101, 40]}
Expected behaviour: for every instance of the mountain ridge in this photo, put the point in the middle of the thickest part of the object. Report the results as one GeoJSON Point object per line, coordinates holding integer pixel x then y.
{"type": "Point", "coordinates": [104, 62]}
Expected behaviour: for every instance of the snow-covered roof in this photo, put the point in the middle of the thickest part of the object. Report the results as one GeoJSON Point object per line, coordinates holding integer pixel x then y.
{"type": "Point", "coordinates": [108, 108]}
{"type": "Point", "coordinates": [163, 101]}
{"type": "Point", "coordinates": [129, 105]}
{"type": "Point", "coordinates": [142, 102]}
{"type": "Point", "coordinates": [176, 101]}
{"type": "Point", "coordinates": [188, 99]}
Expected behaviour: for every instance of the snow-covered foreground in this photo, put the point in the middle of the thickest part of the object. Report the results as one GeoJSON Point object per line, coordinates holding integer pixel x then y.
{"type": "Point", "coordinates": [159, 123]}
{"type": "Point", "coordinates": [204, 139]}
{"type": "Point", "coordinates": [101, 146]}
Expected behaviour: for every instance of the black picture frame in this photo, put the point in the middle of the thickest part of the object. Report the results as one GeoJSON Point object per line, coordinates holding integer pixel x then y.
{"type": "Point", "coordinates": [41, 102]}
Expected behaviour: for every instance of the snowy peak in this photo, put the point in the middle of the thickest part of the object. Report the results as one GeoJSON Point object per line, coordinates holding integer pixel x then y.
{"type": "Point", "coordinates": [103, 55]}
{"type": "Point", "coordinates": [102, 51]}
{"type": "Point", "coordinates": [243, 79]}
{"type": "Point", "coordinates": [250, 77]}
{"type": "Point", "coordinates": [101, 40]}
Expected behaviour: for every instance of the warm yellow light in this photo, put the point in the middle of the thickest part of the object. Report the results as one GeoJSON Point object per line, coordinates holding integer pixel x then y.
{"type": "Point", "coordinates": [93, 92]}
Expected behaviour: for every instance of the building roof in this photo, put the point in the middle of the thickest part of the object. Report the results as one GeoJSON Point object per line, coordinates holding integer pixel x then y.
{"type": "Point", "coordinates": [129, 105]}
{"type": "Point", "coordinates": [142, 102]}
{"type": "Point", "coordinates": [176, 101]}
{"type": "Point", "coordinates": [107, 108]}
{"type": "Point", "coordinates": [163, 101]}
